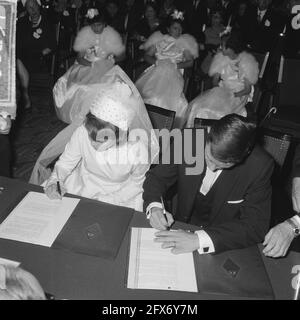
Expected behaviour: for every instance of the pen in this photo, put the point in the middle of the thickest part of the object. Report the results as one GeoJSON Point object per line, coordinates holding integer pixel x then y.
{"type": "Point", "coordinates": [164, 211]}
{"type": "Point", "coordinates": [58, 188]}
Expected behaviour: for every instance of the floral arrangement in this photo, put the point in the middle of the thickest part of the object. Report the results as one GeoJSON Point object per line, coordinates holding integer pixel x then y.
{"type": "Point", "coordinates": [37, 33]}
{"type": "Point", "coordinates": [178, 15]}
{"type": "Point", "coordinates": [92, 13]}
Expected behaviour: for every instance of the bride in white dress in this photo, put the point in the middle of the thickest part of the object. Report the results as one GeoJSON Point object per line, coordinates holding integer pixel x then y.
{"type": "Point", "coordinates": [104, 159]}
{"type": "Point", "coordinates": [234, 73]}
{"type": "Point", "coordinates": [162, 84]}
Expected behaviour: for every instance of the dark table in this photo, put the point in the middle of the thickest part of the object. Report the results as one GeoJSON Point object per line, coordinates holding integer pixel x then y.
{"type": "Point", "coordinates": [68, 275]}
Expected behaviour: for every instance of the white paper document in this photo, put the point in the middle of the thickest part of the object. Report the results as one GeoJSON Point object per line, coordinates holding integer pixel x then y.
{"type": "Point", "coordinates": [37, 219]}
{"type": "Point", "coordinates": [151, 267]}
{"type": "Point", "coordinates": [10, 263]}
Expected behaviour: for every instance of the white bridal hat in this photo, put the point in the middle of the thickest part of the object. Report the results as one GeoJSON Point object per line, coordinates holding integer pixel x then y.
{"type": "Point", "coordinates": [113, 105]}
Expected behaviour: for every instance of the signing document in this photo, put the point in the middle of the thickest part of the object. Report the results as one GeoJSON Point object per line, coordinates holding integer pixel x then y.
{"type": "Point", "coordinates": [37, 219]}
{"type": "Point", "coordinates": [151, 267]}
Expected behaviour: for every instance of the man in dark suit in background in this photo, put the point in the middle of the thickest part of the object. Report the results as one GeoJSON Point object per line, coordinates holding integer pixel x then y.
{"type": "Point", "coordinates": [230, 200]}
{"type": "Point", "coordinates": [279, 238]}
{"type": "Point", "coordinates": [264, 26]}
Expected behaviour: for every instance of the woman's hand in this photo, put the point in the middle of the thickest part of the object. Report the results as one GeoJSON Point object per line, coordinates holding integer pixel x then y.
{"type": "Point", "coordinates": [5, 125]}
{"type": "Point", "coordinates": [52, 191]}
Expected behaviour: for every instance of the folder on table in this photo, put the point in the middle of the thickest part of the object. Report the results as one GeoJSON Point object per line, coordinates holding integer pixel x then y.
{"type": "Point", "coordinates": [238, 273]}
{"type": "Point", "coordinates": [95, 228]}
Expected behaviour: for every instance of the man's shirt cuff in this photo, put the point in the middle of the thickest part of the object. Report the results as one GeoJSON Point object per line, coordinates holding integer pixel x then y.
{"type": "Point", "coordinates": [152, 205]}
{"type": "Point", "coordinates": [205, 243]}
{"type": "Point", "coordinates": [296, 220]}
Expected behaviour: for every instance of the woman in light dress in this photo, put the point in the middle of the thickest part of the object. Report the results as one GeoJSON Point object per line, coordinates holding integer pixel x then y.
{"type": "Point", "coordinates": [106, 159]}
{"type": "Point", "coordinates": [162, 84]}
{"type": "Point", "coordinates": [234, 73]}
{"type": "Point", "coordinates": [97, 46]}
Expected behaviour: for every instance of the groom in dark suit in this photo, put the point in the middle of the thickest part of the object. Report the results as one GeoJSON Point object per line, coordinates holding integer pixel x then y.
{"type": "Point", "coordinates": [230, 200]}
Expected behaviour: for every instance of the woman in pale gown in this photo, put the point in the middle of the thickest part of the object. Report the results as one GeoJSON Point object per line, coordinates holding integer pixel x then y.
{"type": "Point", "coordinates": [106, 159]}
{"type": "Point", "coordinates": [234, 73]}
{"type": "Point", "coordinates": [97, 46]}
{"type": "Point", "coordinates": [162, 84]}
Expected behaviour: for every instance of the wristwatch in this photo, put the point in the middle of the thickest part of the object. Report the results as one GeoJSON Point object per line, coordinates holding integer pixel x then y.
{"type": "Point", "coordinates": [296, 229]}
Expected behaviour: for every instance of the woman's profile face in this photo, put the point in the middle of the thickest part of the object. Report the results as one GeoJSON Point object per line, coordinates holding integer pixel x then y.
{"type": "Point", "coordinates": [150, 13]}
{"type": "Point", "coordinates": [97, 27]}
{"type": "Point", "coordinates": [175, 30]}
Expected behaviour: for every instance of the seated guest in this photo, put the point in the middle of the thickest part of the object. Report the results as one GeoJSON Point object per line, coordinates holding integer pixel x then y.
{"type": "Point", "coordinates": [114, 16]}
{"type": "Point", "coordinates": [278, 239]}
{"type": "Point", "coordinates": [148, 24]}
{"type": "Point", "coordinates": [264, 25]}
{"type": "Point", "coordinates": [212, 38]}
{"type": "Point", "coordinates": [234, 73]}
{"type": "Point", "coordinates": [239, 19]}
{"type": "Point", "coordinates": [102, 160]}
{"type": "Point", "coordinates": [18, 284]}
{"type": "Point", "coordinates": [230, 200]}
{"type": "Point", "coordinates": [35, 41]}
{"type": "Point", "coordinates": [162, 84]}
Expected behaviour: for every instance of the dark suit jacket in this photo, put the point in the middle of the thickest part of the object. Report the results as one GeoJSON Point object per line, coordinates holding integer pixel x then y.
{"type": "Point", "coordinates": [230, 226]}
{"type": "Point", "coordinates": [296, 167]}
{"type": "Point", "coordinates": [262, 36]}
{"type": "Point", "coordinates": [195, 19]}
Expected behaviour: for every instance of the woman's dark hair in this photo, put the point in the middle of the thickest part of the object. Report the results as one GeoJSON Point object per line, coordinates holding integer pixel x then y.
{"type": "Point", "coordinates": [93, 125]}
{"type": "Point", "coordinates": [170, 21]}
{"type": "Point", "coordinates": [234, 41]}
{"type": "Point", "coordinates": [153, 5]}
{"type": "Point", "coordinates": [232, 138]}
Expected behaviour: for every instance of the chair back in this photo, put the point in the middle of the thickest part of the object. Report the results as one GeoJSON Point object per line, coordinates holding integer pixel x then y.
{"type": "Point", "coordinates": [160, 118]}
{"type": "Point", "coordinates": [276, 144]}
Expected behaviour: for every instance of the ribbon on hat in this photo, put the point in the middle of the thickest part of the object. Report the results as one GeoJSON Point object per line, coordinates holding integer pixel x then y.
{"type": "Point", "coordinates": [2, 277]}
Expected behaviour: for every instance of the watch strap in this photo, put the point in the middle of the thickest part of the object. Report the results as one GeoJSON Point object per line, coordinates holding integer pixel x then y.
{"type": "Point", "coordinates": [296, 229]}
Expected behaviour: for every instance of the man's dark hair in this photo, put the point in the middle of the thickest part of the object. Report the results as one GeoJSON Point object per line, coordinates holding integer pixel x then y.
{"type": "Point", "coordinates": [232, 138]}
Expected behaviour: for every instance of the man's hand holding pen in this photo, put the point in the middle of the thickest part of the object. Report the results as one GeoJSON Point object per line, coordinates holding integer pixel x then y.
{"type": "Point", "coordinates": [161, 219]}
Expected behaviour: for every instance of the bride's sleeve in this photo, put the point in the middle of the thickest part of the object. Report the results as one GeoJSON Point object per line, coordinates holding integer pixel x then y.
{"type": "Point", "coordinates": [69, 158]}
{"type": "Point", "coordinates": [250, 68]}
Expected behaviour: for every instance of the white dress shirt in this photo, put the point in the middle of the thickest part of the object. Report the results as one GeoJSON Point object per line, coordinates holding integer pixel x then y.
{"type": "Point", "coordinates": [205, 243]}
{"type": "Point", "coordinates": [261, 14]}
